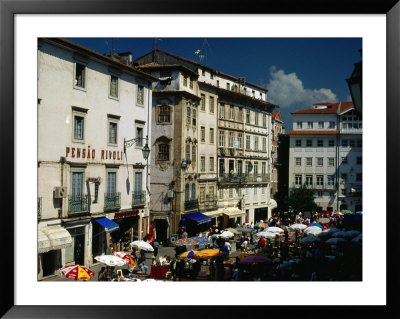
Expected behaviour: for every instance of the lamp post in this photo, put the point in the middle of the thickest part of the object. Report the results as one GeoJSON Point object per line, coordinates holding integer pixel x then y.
{"type": "Point", "coordinates": [145, 149]}
{"type": "Point", "coordinates": [355, 86]}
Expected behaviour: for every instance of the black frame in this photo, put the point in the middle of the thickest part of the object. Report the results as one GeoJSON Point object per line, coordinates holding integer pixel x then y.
{"type": "Point", "coordinates": [7, 10]}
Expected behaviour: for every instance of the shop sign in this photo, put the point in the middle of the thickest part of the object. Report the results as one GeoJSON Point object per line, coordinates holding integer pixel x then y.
{"type": "Point", "coordinates": [88, 153]}
{"type": "Point", "coordinates": [126, 214]}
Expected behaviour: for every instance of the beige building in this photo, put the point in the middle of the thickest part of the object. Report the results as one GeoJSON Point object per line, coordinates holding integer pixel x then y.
{"type": "Point", "coordinates": [277, 129]}
{"type": "Point", "coordinates": [91, 192]}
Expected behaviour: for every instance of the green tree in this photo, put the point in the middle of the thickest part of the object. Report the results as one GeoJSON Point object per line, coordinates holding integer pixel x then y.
{"type": "Point", "coordinates": [302, 199]}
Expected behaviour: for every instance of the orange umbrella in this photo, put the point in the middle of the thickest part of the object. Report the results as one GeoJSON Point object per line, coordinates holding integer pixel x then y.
{"type": "Point", "coordinates": [208, 253]}
{"type": "Point", "coordinates": [186, 253]}
{"type": "Point", "coordinates": [77, 272]}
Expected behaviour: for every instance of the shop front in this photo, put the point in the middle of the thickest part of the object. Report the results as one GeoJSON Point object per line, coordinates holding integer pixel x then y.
{"type": "Point", "coordinates": [161, 228]}
{"type": "Point", "coordinates": [101, 238]}
{"type": "Point", "coordinates": [128, 222]}
{"type": "Point", "coordinates": [233, 216]}
{"type": "Point", "coordinates": [196, 223]}
{"type": "Point", "coordinates": [217, 217]}
{"type": "Point", "coordinates": [261, 214]}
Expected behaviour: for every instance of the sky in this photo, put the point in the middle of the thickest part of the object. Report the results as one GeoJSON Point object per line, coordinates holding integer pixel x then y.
{"type": "Point", "coordinates": [296, 71]}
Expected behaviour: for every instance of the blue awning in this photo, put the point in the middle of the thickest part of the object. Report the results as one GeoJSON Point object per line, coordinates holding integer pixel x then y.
{"type": "Point", "coordinates": [198, 217]}
{"type": "Point", "coordinates": [108, 224]}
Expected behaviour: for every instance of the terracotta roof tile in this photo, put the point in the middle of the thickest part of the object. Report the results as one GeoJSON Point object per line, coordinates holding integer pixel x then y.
{"type": "Point", "coordinates": [332, 108]}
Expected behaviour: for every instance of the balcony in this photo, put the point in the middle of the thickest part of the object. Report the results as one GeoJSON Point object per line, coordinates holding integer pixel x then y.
{"type": "Point", "coordinates": [244, 178]}
{"type": "Point", "coordinates": [323, 186]}
{"type": "Point", "coordinates": [39, 208]}
{"type": "Point", "coordinates": [208, 205]}
{"type": "Point", "coordinates": [191, 205]}
{"type": "Point", "coordinates": [77, 204]}
{"type": "Point", "coordinates": [138, 198]}
{"type": "Point", "coordinates": [112, 201]}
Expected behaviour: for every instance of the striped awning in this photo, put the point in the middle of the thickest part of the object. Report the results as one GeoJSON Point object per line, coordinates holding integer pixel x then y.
{"type": "Point", "coordinates": [58, 237]}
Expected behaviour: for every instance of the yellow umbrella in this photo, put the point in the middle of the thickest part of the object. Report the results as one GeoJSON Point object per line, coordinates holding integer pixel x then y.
{"type": "Point", "coordinates": [185, 254]}
{"type": "Point", "coordinates": [233, 230]}
{"type": "Point", "coordinates": [208, 253]}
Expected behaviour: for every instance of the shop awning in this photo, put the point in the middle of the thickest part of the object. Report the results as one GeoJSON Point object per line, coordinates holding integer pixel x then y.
{"type": "Point", "coordinates": [198, 217]}
{"type": "Point", "coordinates": [273, 203]}
{"type": "Point", "coordinates": [108, 224]}
{"type": "Point", "coordinates": [58, 236]}
{"type": "Point", "coordinates": [44, 244]}
{"type": "Point", "coordinates": [214, 213]}
{"type": "Point", "coordinates": [233, 212]}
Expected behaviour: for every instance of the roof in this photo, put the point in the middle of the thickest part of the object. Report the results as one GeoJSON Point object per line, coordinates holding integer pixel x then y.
{"type": "Point", "coordinates": [203, 66]}
{"type": "Point", "coordinates": [332, 108]}
{"type": "Point", "coordinates": [313, 132]}
{"type": "Point", "coordinates": [276, 115]}
{"type": "Point", "coordinates": [95, 54]}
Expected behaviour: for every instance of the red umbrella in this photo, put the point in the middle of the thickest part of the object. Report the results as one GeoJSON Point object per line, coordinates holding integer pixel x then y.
{"type": "Point", "coordinates": [77, 272]}
{"type": "Point", "coordinates": [254, 259]}
{"type": "Point", "coordinates": [326, 212]}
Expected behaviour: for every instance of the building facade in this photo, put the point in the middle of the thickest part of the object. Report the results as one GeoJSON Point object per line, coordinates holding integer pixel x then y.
{"type": "Point", "coordinates": [326, 154]}
{"type": "Point", "coordinates": [276, 132]}
{"type": "Point", "coordinates": [92, 188]}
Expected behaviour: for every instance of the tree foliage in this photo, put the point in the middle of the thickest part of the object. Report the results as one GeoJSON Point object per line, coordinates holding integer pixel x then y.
{"type": "Point", "coordinates": [302, 199]}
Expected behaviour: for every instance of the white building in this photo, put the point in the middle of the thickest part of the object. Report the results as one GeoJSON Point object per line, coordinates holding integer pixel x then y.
{"type": "Point", "coordinates": [326, 154]}
{"type": "Point", "coordinates": [90, 191]}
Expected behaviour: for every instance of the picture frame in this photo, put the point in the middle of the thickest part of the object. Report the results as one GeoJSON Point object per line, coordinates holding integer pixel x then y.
{"type": "Point", "coordinates": [8, 11]}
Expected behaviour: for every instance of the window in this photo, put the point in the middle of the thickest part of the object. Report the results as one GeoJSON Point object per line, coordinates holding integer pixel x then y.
{"type": "Point", "coordinates": [187, 152]}
{"type": "Point", "coordinates": [227, 86]}
{"type": "Point", "coordinates": [163, 152]}
{"type": "Point", "coordinates": [221, 193]}
{"type": "Point", "coordinates": [140, 94]}
{"type": "Point", "coordinates": [309, 143]}
{"type": "Point", "coordinates": [310, 124]}
{"type": "Point", "coordinates": [164, 114]}
{"type": "Point", "coordinates": [222, 111]}
{"type": "Point", "coordinates": [222, 139]}
{"type": "Point", "coordinates": [77, 191]}
{"type": "Point", "coordinates": [203, 163]}
{"type": "Point", "coordinates": [320, 180]}
{"type": "Point", "coordinates": [321, 124]}
{"type": "Point", "coordinates": [111, 186]}
{"type": "Point", "coordinates": [298, 143]}
{"type": "Point", "coordinates": [359, 177]}
{"type": "Point", "coordinates": [139, 136]}
{"type": "Point", "coordinates": [203, 72]}
{"type": "Point", "coordinates": [344, 143]}
{"type": "Point", "coordinates": [253, 93]}
{"type": "Point", "coordinates": [299, 125]}
{"type": "Point", "coordinates": [80, 75]}
{"type": "Point", "coordinates": [193, 155]}
{"type": "Point", "coordinates": [344, 177]}
{"type": "Point", "coordinates": [264, 144]}
{"type": "Point", "coordinates": [184, 80]}
{"type": "Point", "coordinates": [308, 161]}
{"type": "Point", "coordinates": [331, 180]}
{"type": "Point", "coordinates": [240, 139]}
{"type": "Point", "coordinates": [202, 194]}
{"type": "Point", "coordinates": [188, 111]}
{"type": "Point", "coordinates": [344, 160]}
{"type": "Point", "coordinates": [359, 143]}
{"type": "Point", "coordinates": [359, 160]}
{"type": "Point", "coordinates": [194, 117]}
{"type": "Point", "coordinates": [231, 112]}
{"type": "Point", "coordinates": [331, 143]}
{"type": "Point", "coordinates": [309, 179]}
{"type": "Point", "coordinates": [230, 192]}
{"type": "Point", "coordinates": [78, 128]}
{"type": "Point", "coordinates": [211, 106]}
{"type": "Point", "coordinates": [255, 191]}
{"type": "Point", "coordinates": [212, 77]}
{"type": "Point", "coordinates": [218, 83]}
{"type": "Point", "coordinates": [211, 135]}
{"type": "Point", "coordinates": [113, 86]}
{"type": "Point", "coordinates": [298, 179]}
{"type": "Point", "coordinates": [331, 124]}
{"type": "Point", "coordinates": [202, 133]}
{"type": "Point", "coordinates": [255, 168]}
{"type": "Point", "coordinates": [265, 120]}
{"type": "Point", "coordinates": [231, 138]}
{"type": "Point", "coordinates": [331, 161]}
{"type": "Point", "coordinates": [320, 161]}
{"type": "Point", "coordinates": [352, 143]}
{"type": "Point", "coordinates": [212, 164]}
{"type": "Point", "coordinates": [240, 114]}
{"type": "Point", "coordinates": [298, 161]}
{"type": "Point", "coordinates": [263, 168]}
{"type": "Point", "coordinates": [256, 118]}
{"type": "Point", "coordinates": [112, 133]}
{"type": "Point", "coordinates": [193, 191]}
{"type": "Point", "coordinates": [247, 142]}
{"type": "Point", "coordinates": [320, 143]}
{"type": "Point", "coordinates": [203, 102]}
{"type": "Point", "coordinates": [191, 83]}
{"type": "Point", "coordinates": [256, 143]}
{"type": "Point", "coordinates": [187, 195]}
{"type": "Point", "coordinates": [247, 116]}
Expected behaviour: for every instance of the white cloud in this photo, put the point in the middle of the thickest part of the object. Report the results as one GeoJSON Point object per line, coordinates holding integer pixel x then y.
{"type": "Point", "coordinates": [288, 90]}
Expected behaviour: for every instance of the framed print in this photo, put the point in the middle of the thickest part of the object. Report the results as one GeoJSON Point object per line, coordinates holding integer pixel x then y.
{"type": "Point", "coordinates": [27, 26]}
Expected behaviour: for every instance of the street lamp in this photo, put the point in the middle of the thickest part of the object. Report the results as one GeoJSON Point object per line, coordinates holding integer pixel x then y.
{"type": "Point", "coordinates": [145, 149]}
{"type": "Point", "coordinates": [355, 86]}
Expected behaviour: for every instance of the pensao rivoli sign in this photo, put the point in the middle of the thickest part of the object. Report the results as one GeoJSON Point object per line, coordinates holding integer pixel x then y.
{"type": "Point", "coordinates": [90, 153]}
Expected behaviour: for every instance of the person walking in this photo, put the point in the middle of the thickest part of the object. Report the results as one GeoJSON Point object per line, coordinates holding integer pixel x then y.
{"type": "Point", "coordinates": [155, 245]}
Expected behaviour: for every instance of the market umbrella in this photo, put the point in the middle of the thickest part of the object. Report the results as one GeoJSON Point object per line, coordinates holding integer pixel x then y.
{"type": "Point", "coordinates": [140, 244]}
{"type": "Point", "coordinates": [245, 229]}
{"type": "Point", "coordinates": [347, 211]}
{"type": "Point", "coordinates": [324, 220]}
{"type": "Point", "coordinates": [309, 240]}
{"type": "Point", "coordinates": [315, 224]}
{"type": "Point", "coordinates": [227, 234]}
{"type": "Point", "coordinates": [125, 256]}
{"type": "Point", "coordinates": [208, 253]}
{"type": "Point", "coordinates": [77, 272]}
{"type": "Point", "coordinates": [186, 241]}
{"type": "Point", "coordinates": [275, 229]}
{"type": "Point", "coordinates": [342, 234]}
{"type": "Point", "coordinates": [327, 232]}
{"type": "Point", "coordinates": [312, 231]}
{"type": "Point", "coordinates": [267, 234]}
{"type": "Point", "coordinates": [111, 260]}
{"type": "Point", "coordinates": [259, 225]}
{"type": "Point", "coordinates": [232, 230]}
{"type": "Point", "coordinates": [254, 260]}
{"type": "Point", "coordinates": [326, 212]}
{"type": "Point", "coordinates": [298, 226]}
{"type": "Point", "coordinates": [200, 240]}
{"type": "Point", "coordinates": [353, 233]}
{"type": "Point", "coordinates": [335, 241]}
{"type": "Point", "coordinates": [188, 254]}
{"type": "Point", "coordinates": [338, 213]}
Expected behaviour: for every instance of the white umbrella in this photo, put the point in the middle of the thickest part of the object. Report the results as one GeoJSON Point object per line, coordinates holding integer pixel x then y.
{"type": "Point", "coordinates": [312, 231]}
{"type": "Point", "coordinates": [311, 239]}
{"type": "Point", "coordinates": [298, 226]}
{"type": "Point", "coordinates": [227, 234]}
{"type": "Point", "coordinates": [335, 241]}
{"type": "Point", "coordinates": [140, 244]}
{"type": "Point", "coordinates": [111, 260]}
{"type": "Point", "coordinates": [266, 234]}
{"type": "Point", "coordinates": [275, 229]}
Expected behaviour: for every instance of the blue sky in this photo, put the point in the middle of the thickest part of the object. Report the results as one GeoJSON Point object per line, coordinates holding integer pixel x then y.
{"type": "Point", "coordinates": [297, 71]}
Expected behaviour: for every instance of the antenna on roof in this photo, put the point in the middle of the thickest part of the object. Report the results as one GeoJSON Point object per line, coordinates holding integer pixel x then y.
{"type": "Point", "coordinates": [203, 51]}
{"type": "Point", "coordinates": [155, 41]}
{"type": "Point", "coordinates": [112, 50]}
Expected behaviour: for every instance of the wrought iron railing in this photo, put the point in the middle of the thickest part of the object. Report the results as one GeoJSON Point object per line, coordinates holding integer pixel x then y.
{"type": "Point", "coordinates": [138, 198]}
{"type": "Point", "coordinates": [207, 205]}
{"type": "Point", "coordinates": [317, 186]}
{"type": "Point", "coordinates": [112, 201]}
{"type": "Point", "coordinates": [191, 205]}
{"type": "Point", "coordinates": [77, 203]}
{"type": "Point", "coordinates": [39, 207]}
{"type": "Point", "coordinates": [245, 178]}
